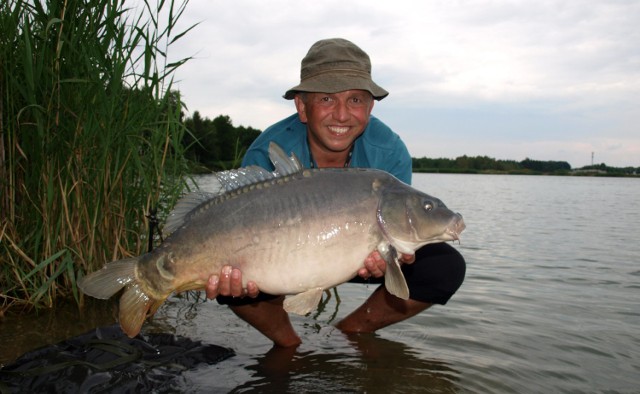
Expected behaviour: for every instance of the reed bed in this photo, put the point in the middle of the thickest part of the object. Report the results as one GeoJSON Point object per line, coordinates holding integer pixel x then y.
{"type": "Point", "coordinates": [90, 138]}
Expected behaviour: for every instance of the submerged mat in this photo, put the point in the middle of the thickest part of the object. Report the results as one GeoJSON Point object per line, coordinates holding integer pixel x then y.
{"type": "Point", "coordinates": [105, 360]}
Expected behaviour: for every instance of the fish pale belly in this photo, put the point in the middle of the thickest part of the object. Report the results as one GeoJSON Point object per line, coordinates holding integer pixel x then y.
{"type": "Point", "coordinates": [298, 268]}
{"type": "Point", "coordinates": [319, 259]}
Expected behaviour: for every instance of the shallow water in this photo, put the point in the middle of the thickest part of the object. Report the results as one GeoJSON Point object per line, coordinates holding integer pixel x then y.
{"type": "Point", "coordinates": [550, 304]}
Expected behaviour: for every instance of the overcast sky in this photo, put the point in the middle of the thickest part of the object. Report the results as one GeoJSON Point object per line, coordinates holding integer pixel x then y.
{"type": "Point", "coordinates": [543, 79]}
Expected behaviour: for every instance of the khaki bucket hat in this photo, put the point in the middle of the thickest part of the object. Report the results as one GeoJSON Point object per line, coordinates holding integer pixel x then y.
{"type": "Point", "coordinates": [335, 65]}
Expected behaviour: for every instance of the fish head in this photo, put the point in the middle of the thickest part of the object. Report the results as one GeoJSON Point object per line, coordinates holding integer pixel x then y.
{"type": "Point", "coordinates": [411, 219]}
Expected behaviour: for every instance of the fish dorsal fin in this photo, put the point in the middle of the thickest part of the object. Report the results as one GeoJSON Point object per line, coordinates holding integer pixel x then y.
{"type": "Point", "coordinates": [230, 180]}
{"type": "Point", "coordinates": [183, 207]}
{"type": "Point", "coordinates": [284, 165]}
{"type": "Point", "coordinates": [227, 181]}
{"type": "Point", "coordinates": [235, 179]}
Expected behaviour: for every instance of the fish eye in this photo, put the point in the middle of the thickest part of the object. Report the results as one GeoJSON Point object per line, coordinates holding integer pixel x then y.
{"type": "Point", "coordinates": [428, 206]}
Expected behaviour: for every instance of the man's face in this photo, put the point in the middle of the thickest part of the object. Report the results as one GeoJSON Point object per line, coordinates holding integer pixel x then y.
{"type": "Point", "coordinates": [334, 120]}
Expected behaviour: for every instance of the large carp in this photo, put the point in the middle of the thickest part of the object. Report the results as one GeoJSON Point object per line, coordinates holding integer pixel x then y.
{"type": "Point", "coordinates": [294, 231]}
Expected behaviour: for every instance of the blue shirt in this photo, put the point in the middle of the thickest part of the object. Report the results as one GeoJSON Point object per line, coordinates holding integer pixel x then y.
{"type": "Point", "coordinates": [378, 147]}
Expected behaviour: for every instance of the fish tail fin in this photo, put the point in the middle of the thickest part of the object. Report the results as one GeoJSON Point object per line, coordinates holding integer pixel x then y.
{"type": "Point", "coordinates": [109, 280]}
{"type": "Point", "coordinates": [134, 308]}
{"type": "Point", "coordinates": [134, 302]}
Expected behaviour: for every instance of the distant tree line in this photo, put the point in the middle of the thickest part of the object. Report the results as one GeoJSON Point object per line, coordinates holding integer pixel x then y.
{"type": "Point", "coordinates": [216, 143]}
{"type": "Point", "coordinates": [484, 164]}
{"type": "Point", "coordinates": [480, 164]}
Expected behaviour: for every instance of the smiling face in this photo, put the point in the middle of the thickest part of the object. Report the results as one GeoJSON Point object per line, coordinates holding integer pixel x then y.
{"type": "Point", "coordinates": [334, 121]}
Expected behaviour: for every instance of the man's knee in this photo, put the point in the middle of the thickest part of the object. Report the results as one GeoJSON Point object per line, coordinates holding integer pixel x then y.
{"type": "Point", "coordinates": [436, 275]}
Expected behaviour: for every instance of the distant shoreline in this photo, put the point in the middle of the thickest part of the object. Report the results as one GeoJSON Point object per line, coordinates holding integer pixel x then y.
{"type": "Point", "coordinates": [580, 173]}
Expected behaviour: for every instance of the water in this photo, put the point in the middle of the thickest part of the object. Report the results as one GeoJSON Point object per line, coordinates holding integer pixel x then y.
{"type": "Point", "coordinates": [550, 304]}
{"type": "Point", "coordinates": [551, 298]}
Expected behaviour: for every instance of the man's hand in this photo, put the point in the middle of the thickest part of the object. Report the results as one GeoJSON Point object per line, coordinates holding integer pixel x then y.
{"type": "Point", "coordinates": [229, 283]}
{"type": "Point", "coordinates": [375, 266]}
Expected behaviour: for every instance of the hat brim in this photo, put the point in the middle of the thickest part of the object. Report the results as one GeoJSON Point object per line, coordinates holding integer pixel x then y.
{"type": "Point", "coordinates": [332, 83]}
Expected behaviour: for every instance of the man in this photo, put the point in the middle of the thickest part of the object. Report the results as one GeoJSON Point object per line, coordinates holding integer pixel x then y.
{"type": "Point", "coordinates": [333, 127]}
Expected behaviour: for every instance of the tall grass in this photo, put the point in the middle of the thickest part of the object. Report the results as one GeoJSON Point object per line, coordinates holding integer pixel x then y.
{"type": "Point", "coordinates": [90, 135]}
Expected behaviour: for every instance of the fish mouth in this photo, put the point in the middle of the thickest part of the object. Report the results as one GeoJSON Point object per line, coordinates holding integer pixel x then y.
{"type": "Point", "coordinates": [457, 226]}
{"type": "Point", "coordinates": [453, 235]}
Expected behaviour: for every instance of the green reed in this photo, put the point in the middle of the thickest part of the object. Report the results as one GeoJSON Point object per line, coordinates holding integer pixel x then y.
{"type": "Point", "coordinates": [90, 138]}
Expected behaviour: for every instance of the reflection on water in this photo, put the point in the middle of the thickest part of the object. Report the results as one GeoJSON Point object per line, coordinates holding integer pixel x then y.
{"type": "Point", "coordinates": [549, 304]}
{"type": "Point", "coordinates": [327, 361]}
{"type": "Point", "coordinates": [364, 363]}
{"type": "Point", "coordinates": [367, 367]}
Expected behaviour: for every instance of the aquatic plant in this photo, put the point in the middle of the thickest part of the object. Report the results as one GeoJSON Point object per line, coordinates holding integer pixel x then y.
{"type": "Point", "coordinates": [90, 138]}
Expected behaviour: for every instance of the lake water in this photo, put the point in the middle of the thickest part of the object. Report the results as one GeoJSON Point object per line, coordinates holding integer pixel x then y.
{"type": "Point", "coordinates": [550, 304]}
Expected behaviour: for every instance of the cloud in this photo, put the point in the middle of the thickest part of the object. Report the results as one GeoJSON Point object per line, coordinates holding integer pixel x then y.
{"type": "Point", "coordinates": [551, 77]}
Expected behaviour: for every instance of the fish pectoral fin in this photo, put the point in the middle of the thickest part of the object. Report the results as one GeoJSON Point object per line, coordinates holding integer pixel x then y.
{"type": "Point", "coordinates": [303, 303]}
{"type": "Point", "coordinates": [394, 279]}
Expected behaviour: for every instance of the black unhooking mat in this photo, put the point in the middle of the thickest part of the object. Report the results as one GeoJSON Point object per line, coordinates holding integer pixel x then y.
{"type": "Point", "coordinates": [105, 360]}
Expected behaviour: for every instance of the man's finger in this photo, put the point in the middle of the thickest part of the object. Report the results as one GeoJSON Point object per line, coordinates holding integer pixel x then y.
{"type": "Point", "coordinates": [212, 287]}
{"type": "Point", "coordinates": [224, 286]}
{"type": "Point", "coordinates": [236, 283]}
{"type": "Point", "coordinates": [252, 289]}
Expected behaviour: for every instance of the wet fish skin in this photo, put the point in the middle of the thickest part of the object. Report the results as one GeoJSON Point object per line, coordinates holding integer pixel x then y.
{"type": "Point", "coordinates": [295, 234]}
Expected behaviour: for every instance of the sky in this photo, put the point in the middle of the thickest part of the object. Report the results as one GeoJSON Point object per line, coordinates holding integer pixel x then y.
{"type": "Point", "coordinates": [546, 79]}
